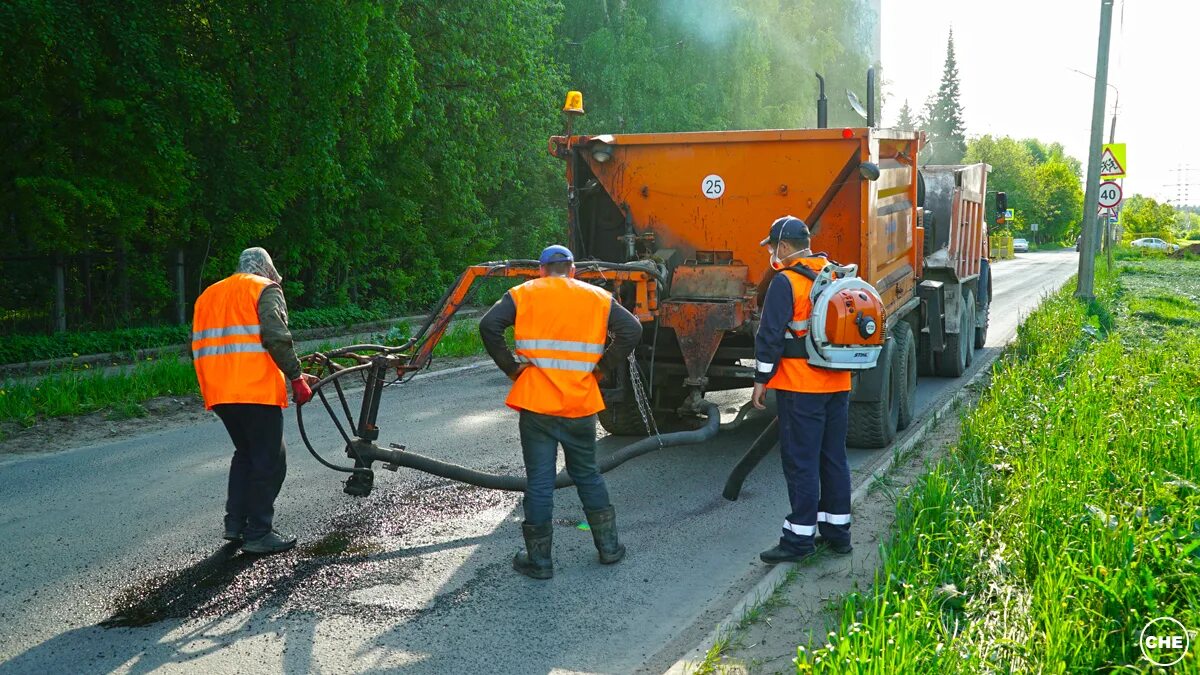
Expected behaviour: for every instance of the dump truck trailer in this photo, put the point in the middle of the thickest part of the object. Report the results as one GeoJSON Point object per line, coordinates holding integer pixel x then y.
{"type": "Point", "coordinates": [694, 206]}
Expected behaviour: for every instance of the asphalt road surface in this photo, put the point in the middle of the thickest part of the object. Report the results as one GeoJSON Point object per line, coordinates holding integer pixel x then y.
{"type": "Point", "coordinates": [417, 576]}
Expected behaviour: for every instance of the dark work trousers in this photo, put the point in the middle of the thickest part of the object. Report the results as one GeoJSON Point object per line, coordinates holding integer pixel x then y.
{"type": "Point", "coordinates": [258, 468]}
{"type": "Point", "coordinates": [812, 442]}
{"type": "Point", "coordinates": [540, 438]}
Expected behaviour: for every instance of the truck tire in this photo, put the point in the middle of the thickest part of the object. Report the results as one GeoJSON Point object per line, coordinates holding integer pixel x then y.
{"type": "Point", "coordinates": [904, 372]}
{"type": "Point", "coordinates": [873, 424]}
{"type": "Point", "coordinates": [954, 360]}
{"type": "Point", "coordinates": [622, 417]}
{"type": "Point", "coordinates": [985, 301]}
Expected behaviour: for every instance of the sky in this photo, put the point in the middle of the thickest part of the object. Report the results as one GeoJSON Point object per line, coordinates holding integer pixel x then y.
{"type": "Point", "coordinates": [1014, 65]}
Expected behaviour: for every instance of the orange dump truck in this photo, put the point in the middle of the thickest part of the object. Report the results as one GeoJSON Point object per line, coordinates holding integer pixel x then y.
{"type": "Point", "coordinates": [691, 208]}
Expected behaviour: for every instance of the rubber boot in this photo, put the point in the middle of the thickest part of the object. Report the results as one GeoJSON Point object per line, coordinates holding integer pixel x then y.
{"type": "Point", "coordinates": [604, 531]}
{"type": "Point", "coordinates": [535, 560]}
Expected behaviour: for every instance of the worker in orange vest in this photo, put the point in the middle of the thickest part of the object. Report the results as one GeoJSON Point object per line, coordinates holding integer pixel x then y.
{"type": "Point", "coordinates": [560, 327]}
{"type": "Point", "coordinates": [813, 403]}
{"type": "Point", "coordinates": [242, 349]}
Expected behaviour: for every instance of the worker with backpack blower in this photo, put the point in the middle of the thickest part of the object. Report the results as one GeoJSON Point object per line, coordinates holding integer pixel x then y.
{"type": "Point", "coordinates": [813, 403]}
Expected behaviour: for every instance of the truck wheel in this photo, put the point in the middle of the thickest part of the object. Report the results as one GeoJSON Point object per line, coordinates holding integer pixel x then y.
{"type": "Point", "coordinates": [954, 360]}
{"type": "Point", "coordinates": [904, 372]}
{"type": "Point", "coordinates": [622, 417]}
{"type": "Point", "coordinates": [873, 424]}
{"type": "Point", "coordinates": [985, 301]}
{"type": "Point", "coordinates": [969, 303]}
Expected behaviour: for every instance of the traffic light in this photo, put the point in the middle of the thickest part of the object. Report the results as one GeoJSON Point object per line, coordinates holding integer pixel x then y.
{"type": "Point", "coordinates": [1001, 202]}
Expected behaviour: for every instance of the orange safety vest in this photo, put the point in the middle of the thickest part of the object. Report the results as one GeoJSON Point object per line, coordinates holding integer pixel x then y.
{"type": "Point", "coordinates": [231, 363]}
{"type": "Point", "coordinates": [560, 331]}
{"type": "Point", "coordinates": [795, 374]}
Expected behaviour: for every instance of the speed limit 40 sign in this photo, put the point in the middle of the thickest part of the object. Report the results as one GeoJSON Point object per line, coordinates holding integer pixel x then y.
{"type": "Point", "coordinates": [1110, 195]}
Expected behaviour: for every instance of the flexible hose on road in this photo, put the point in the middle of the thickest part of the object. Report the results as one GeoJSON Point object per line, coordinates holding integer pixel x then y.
{"type": "Point", "coordinates": [762, 445]}
{"type": "Point", "coordinates": [517, 484]}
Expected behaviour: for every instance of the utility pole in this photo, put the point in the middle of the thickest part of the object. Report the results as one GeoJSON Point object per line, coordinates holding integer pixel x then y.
{"type": "Point", "coordinates": [1087, 254]}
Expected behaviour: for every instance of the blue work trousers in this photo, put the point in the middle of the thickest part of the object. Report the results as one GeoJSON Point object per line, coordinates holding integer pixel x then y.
{"type": "Point", "coordinates": [812, 443]}
{"type": "Point", "coordinates": [258, 467]}
{"type": "Point", "coordinates": [540, 437]}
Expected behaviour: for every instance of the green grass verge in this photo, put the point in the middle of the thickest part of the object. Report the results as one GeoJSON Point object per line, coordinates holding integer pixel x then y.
{"type": "Point", "coordinates": [1067, 516]}
{"type": "Point", "coordinates": [78, 392]}
{"type": "Point", "coordinates": [82, 391]}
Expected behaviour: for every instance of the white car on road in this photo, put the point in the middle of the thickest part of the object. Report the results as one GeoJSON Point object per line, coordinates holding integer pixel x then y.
{"type": "Point", "coordinates": [1020, 246]}
{"type": "Point", "coordinates": [1154, 243]}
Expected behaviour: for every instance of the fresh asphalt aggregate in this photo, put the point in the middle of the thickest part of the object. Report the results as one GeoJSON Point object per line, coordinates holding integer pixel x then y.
{"type": "Point", "coordinates": [415, 577]}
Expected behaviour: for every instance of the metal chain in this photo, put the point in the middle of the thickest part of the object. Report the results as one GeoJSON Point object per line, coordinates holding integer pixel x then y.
{"type": "Point", "coordinates": [643, 399]}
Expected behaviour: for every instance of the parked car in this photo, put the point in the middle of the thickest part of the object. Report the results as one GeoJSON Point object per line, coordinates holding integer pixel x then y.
{"type": "Point", "coordinates": [1020, 246]}
{"type": "Point", "coordinates": [1154, 243]}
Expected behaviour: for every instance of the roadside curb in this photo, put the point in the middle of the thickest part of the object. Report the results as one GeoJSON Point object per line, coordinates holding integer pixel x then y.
{"type": "Point", "coordinates": [774, 578]}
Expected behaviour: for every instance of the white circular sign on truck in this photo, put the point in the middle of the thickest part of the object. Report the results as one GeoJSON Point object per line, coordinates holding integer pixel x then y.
{"type": "Point", "coordinates": [713, 186]}
{"type": "Point", "coordinates": [1110, 194]}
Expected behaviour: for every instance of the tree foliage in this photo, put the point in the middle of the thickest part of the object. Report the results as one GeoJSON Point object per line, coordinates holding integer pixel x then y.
{"type": "Point", "coordinates": [942, 118]}
{"type": "Point", "coordinates": [1041, 182]}
{"type": "Point", "coordinates": [905, 121]}
{"type": "Point", "coordinates": [375, 147]}
{"type": "Point", "coordinates": [1143, 216]}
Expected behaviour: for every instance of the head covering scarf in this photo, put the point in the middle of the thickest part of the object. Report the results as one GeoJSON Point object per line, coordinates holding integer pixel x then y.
{"type": "Point", "coordinates": [257, 261]}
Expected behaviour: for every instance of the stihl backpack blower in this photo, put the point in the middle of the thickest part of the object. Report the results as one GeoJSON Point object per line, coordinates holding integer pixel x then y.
{"type": "Point", "coordinates": [845, 329]}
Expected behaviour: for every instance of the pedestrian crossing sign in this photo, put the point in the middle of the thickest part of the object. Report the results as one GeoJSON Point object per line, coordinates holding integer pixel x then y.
{"type": "Point", "coordinates": [1112, 161]}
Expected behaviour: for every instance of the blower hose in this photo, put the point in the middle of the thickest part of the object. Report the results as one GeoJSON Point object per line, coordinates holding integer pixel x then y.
{"type": "Point", "coordinates": [493, 481]}
{"type": "Point", "coordinates": [762, 445]}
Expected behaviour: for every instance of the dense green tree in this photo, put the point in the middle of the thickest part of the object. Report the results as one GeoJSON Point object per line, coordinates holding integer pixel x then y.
{"type": "Point", "coordinates": [375, 147]}
{"type": "Point", "coordinates": [943, 116]}
{"type": "Point", "coordinates": [905, 121]}
{"type": "Point", "coordinates": [1041, 182]}
{"type": "Point", "coordinates": [1143, 216]}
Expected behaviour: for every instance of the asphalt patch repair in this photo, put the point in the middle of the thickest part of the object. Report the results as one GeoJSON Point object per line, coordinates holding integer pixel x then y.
{"type": "Point", "coordinates": [806, 607]}
{"type": "Point", "coordinates": [315, 577]}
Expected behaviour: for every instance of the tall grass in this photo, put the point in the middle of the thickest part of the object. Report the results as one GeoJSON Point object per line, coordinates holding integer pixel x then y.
{"type": "Point", "coordinates": [1067, 516]}
{"type": "Point", "coordinates": [77, 392]}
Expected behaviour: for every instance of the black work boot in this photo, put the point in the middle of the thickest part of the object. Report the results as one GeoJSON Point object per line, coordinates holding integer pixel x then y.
{"type": "Point", "coordinates": [604, 532]}
{"type": "Point", "coordinates": [838, 546]}
{"type": "Point", "coordinates": [535, 560]}
{"type": "Point", "coordinates": [780, 554]}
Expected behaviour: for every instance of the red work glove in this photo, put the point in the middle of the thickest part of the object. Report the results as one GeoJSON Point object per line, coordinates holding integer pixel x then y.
{"type": "Point", "coordinates": [302, 389]}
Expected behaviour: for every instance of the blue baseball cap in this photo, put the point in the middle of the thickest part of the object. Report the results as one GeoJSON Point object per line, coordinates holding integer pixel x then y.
{"type": "Point", "coordinates": [556, 253]}
{"type": "Point", "coordinates": [787, 227]}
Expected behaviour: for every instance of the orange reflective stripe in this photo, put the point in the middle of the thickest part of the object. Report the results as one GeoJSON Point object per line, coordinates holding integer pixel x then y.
{"type": "Point", "coordinates": [560, 330]}
{"type": "Point", "coordinates": [231, 363]}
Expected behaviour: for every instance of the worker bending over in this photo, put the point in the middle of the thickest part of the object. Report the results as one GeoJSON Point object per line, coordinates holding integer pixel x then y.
{"type": "Point", "coordinates": [560, 327]}
{"type": "Point", "coordinates": [242, 349]}
{"type": "Point", "coordinates": [813, 404]}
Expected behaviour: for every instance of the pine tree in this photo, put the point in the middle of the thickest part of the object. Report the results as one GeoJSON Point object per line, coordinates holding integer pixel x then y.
{"type": "Point", "coordinates": [906, 121]}
{"type": "Point", "coordinates": [943, 116]}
